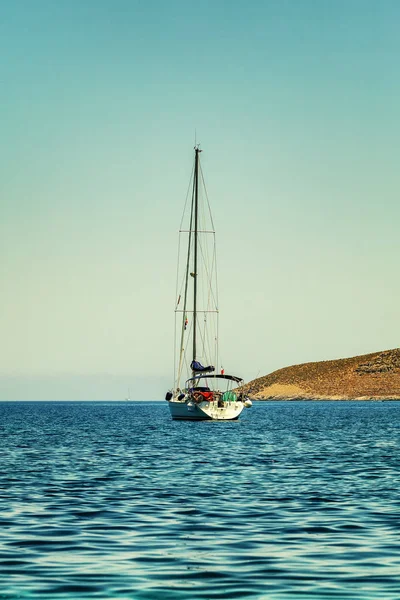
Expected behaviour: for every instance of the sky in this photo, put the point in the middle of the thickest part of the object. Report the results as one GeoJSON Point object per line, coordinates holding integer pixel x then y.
{"type": "Point", "coordinates": [296, 104]}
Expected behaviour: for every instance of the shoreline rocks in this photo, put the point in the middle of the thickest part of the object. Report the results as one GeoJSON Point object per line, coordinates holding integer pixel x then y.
{"type": "Point", "coordinates": [368, 377]}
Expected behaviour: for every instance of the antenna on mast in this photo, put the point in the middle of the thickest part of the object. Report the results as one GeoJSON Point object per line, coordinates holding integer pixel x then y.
{"type": "Point", "coordinates": [196, 144]}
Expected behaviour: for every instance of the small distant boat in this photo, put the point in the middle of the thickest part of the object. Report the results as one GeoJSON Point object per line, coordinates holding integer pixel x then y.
{"type": "Point", "coordinates": [128, 398]}
{"type": "Point", "coordinates": [199, 393]}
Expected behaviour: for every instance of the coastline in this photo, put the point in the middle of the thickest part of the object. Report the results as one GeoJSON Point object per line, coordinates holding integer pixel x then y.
{"type": "Point", "coordinates": [370, 377]}
{"type": "Point", "coordinates": [328, 399]}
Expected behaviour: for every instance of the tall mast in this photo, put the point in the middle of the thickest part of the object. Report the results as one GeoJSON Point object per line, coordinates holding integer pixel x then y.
{"type": "Point", "coordinates": [196, 219]}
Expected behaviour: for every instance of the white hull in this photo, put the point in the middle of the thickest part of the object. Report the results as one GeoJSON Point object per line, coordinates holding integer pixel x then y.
{"type": "Point", "coordinates": [205, 411]}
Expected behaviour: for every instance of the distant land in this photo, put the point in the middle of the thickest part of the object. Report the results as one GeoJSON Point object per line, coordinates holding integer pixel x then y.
{"type": "Point", "coordinates": [369, 377]}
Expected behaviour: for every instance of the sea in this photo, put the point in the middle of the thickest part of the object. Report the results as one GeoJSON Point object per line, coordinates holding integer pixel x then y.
{"type": "Point", "coordinates": [114, 500]}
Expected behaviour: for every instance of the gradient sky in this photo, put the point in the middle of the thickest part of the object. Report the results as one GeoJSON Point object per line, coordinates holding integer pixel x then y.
{"type": "Point", "coordinates": [296, 105]}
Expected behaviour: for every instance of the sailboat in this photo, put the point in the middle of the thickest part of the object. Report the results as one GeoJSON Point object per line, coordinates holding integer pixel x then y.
{"type": "Point", "coordinates": [200, 392]}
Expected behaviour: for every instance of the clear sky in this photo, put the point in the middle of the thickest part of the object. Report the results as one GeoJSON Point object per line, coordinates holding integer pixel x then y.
{"type": "Point", "coordinates": [297, 106]}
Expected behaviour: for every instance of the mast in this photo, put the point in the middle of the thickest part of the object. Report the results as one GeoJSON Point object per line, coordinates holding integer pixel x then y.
{"type": "Point", "coordinates": [196, 226]}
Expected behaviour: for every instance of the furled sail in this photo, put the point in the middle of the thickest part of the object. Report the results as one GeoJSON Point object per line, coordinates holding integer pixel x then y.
{"type": "Point", "coordinates": [198, 367]}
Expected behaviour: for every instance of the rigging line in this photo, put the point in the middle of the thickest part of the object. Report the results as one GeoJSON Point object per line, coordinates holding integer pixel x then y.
{"type": "Point", "coordinates": [209, 327]}
{"type": "Point", "coordinates": [210, 348]}
{"type": "Point", "coordinates": [183, 357]}
{"type": "Point", "coordinates": [208, 289]}
{"type": "Point", "coordinates": [211, 289]}
{"type": "Point", "coordinates": [205, 253]}
{"type": "Point", "coordinates": [208, 337]}
{"type": "Point", "coordinates": [204, 249]}
{"type": "Point", "coordinates": [212, 335]}
{"type": "Point", "coordinates": [217, 300]}
{"type": "Point", "coordinates": [210, 273]}
{"type": "Point", "coordinates": [208, 203]}
{"type": "Point", "coordinates": [207, 344]}
{"type": "Point", "coordinates": [177, 272]}
{"type": "Point", "coordinates": [187, 276]}
{"type": "Point", "coordinates": [180, 290]}
{"type": "Point", "coordinates": [213, 272]}
{"type": "Point", "coordinates": [204, 336]}
{"type": "Point", "coordinates": [188, 312]}
{"type": "Point", "coordinates": [216, 273]}
{"type": "Point", "coordinates": [204, 354]}
{"type": "Point", "coordinates": [174, 374]}
{"type": "Point", "coordinates": [217, 350]}
{"type": "Point", "coordinates": [178, 294]}
{"type": "Point", "coordinates": [187, 197]}
{"type": "Point", "coordinates": [185, 352]}
{"type": "Point", "coordinates": [204, 330]}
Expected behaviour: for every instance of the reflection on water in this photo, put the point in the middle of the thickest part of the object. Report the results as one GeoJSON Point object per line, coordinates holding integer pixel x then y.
{"type": "Point", "coordinates": [116, 500]}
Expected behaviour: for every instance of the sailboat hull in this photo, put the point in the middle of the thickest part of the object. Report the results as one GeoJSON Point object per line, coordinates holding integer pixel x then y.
{"type": "Point", "coordinates": [205, 411]}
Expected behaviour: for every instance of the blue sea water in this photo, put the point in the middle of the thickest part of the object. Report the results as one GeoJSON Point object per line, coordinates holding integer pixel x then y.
{"type": "Point", "coordinates": [117, 501]}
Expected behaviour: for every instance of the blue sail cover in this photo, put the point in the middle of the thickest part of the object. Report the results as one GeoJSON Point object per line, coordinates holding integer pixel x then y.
{"type": "Point", "coordinates": [198, 367]}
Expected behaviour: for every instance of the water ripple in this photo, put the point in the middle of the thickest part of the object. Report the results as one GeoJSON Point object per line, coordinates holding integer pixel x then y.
{"type": "Point", "coordinates": [112, 500]}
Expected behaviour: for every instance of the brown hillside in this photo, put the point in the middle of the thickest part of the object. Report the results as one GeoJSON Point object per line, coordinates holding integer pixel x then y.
{"type": "Point", "coordinates": [371, 376]}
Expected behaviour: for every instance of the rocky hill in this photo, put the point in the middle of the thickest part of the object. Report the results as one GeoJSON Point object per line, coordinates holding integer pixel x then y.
{"type": "Point", "coordinates": [371, 376]}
